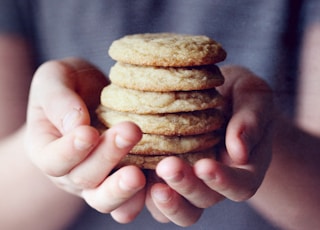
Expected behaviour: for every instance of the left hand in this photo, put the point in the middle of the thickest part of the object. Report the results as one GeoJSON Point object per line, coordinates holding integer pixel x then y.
{"type": "Point", "coordinates": [241, 166]}
{"type": "Point", "coordinates": [61, 141]}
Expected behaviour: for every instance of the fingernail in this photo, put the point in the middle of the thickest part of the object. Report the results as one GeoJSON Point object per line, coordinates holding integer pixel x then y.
{"type": "Point", "coordinates": [162, 195]}
{"type": "Point", "coordinates": [81, 144]}
{"type": "Point", "coordinates": [125, 187]}
{"type": "Point", "coordinates": [248, 146]}
{"type": "Point", "coordinates": [208, 177]}
{"type": "Point", "coordinates": [71, 119]}
{"type": "Point", "coordinates": [174, 178]}
{"type": "Point", "coordinates": [122, 143]}
{"type": "Point", "coordinates": [245, 139]}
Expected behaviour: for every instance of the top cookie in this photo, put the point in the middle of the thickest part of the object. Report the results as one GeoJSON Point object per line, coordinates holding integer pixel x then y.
{"type": "Point", "coordinates": [167, 50]}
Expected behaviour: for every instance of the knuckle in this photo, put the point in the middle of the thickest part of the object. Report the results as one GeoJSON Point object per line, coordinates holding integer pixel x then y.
{"type": "Point", "coordinates": [103, 209]}
{"type": "Point", "coordinates": [41, 73]}
{"type": "Point", "coordinates": [122, 216]}
{"type": "Point", "coordinates": [50, 71]}
{"type": "Point", "coordinates": [54, 167]}
{"type": "Point", "coordinates": [100, 206]}
{"type": "Point", "coordinates": [100, 202]}
{"type": "Point", "coordinates": [214, 199]}
{"type": "Point", "coordinates": [53, 171]}
{"type": "Point", "coordinates": [47, 166]}
{"type": "Point", "coordinates": [82, 182]}
{"type": "Point", "coordinates": [247, 193]}
{"type": "Point", "coordinates": [113, 157]}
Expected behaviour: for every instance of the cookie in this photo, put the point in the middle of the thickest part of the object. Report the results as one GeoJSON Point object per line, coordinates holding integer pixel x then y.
{"type": "Point", "coordinates": [185, 123]}
{"type": "Point", "coordinates": [166, 84]}
{"type": "Point", "coordinates": [167, 49]}
{"type": "Point", "coordinates": [145, 102]}
{"type": "Point", "coordinates": [150, 162]}
{"type": "Point", "coordinates": [150, 78]}
{"type": "Point", "coordinates": [151, 144]}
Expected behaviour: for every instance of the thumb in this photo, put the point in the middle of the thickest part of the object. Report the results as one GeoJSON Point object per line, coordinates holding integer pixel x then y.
{"type": "Point", "coordinates": [251, 109]}
{"type": "Point", "coordinates": [59, 97]}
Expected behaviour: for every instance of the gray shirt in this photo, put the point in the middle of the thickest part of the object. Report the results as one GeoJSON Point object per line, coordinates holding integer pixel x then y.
{"type": "Point", "coordinates": [261, 35]}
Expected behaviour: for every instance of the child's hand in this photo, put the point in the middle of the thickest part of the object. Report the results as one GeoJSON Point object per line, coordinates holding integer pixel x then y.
{"type": "Point", "coordinates": [241, 166]}
{"type": "Point", "coordinates": [61, 142]}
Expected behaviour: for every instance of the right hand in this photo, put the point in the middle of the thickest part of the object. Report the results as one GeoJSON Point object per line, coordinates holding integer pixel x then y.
{"type": "Point", "coordinates": [63, 145]}
{"type": "Point", "coordinates": [241, 165]}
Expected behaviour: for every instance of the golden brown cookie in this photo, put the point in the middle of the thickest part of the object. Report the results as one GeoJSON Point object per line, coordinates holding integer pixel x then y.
{"type": "Point", "coordinates": [151, 161]}
{"type": "Point", "coordinates": [165, 79]}
{"type": "Point", "coordinates": [167, 49]}
{"type": "Point", "coordinates": [151, 144]}
{"type": "Point", "coordinates": [185, 123]}
{"type": "Point", "coordinates": [165, 83]}
{"type": "Point", "coordinates": [145, 102]}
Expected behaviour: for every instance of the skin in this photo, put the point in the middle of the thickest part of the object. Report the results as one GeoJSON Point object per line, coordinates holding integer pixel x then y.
{"type": "Point", "coordinates": [15, 76]}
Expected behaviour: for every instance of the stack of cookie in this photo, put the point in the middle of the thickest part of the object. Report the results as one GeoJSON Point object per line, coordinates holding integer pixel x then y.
{"type": "Point", "coordinates": [165, 83]}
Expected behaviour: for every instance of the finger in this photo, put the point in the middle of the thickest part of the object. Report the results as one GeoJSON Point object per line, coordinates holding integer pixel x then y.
{"type": "Point", "coordinates": [251, 100]}
{"type": "Point", "coordinates": [237, 184]}
{"type": "Point", "coordinates": [242, 134]}
{"type": "Point", "coordinates": [115, 190]}
{"type": "Point", "coordinates": [53, 98]}
{"type": "Point", "coordinates": [154, 211]}
{"type": "Point", "coordinates": [180, 177]}
{"type": "Point", "coordinates": [54, 106]}
{"type": "Point", "coordinates": [152, 178]}
{"type": "Point", "coordinates": [55, 109]}
{"type": "Point", "coordinates": [89, 81]}
{"type": "Point", "coordinates": [62, 154]}
{"type": "Point", "coordinates": [129, 210]}
{"type": "Point", "coordinates": [61, 92]}
{"type": "Point", "coordinates": [115, 143]}
{"type": "Point", "coordinates": [174, 206]}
